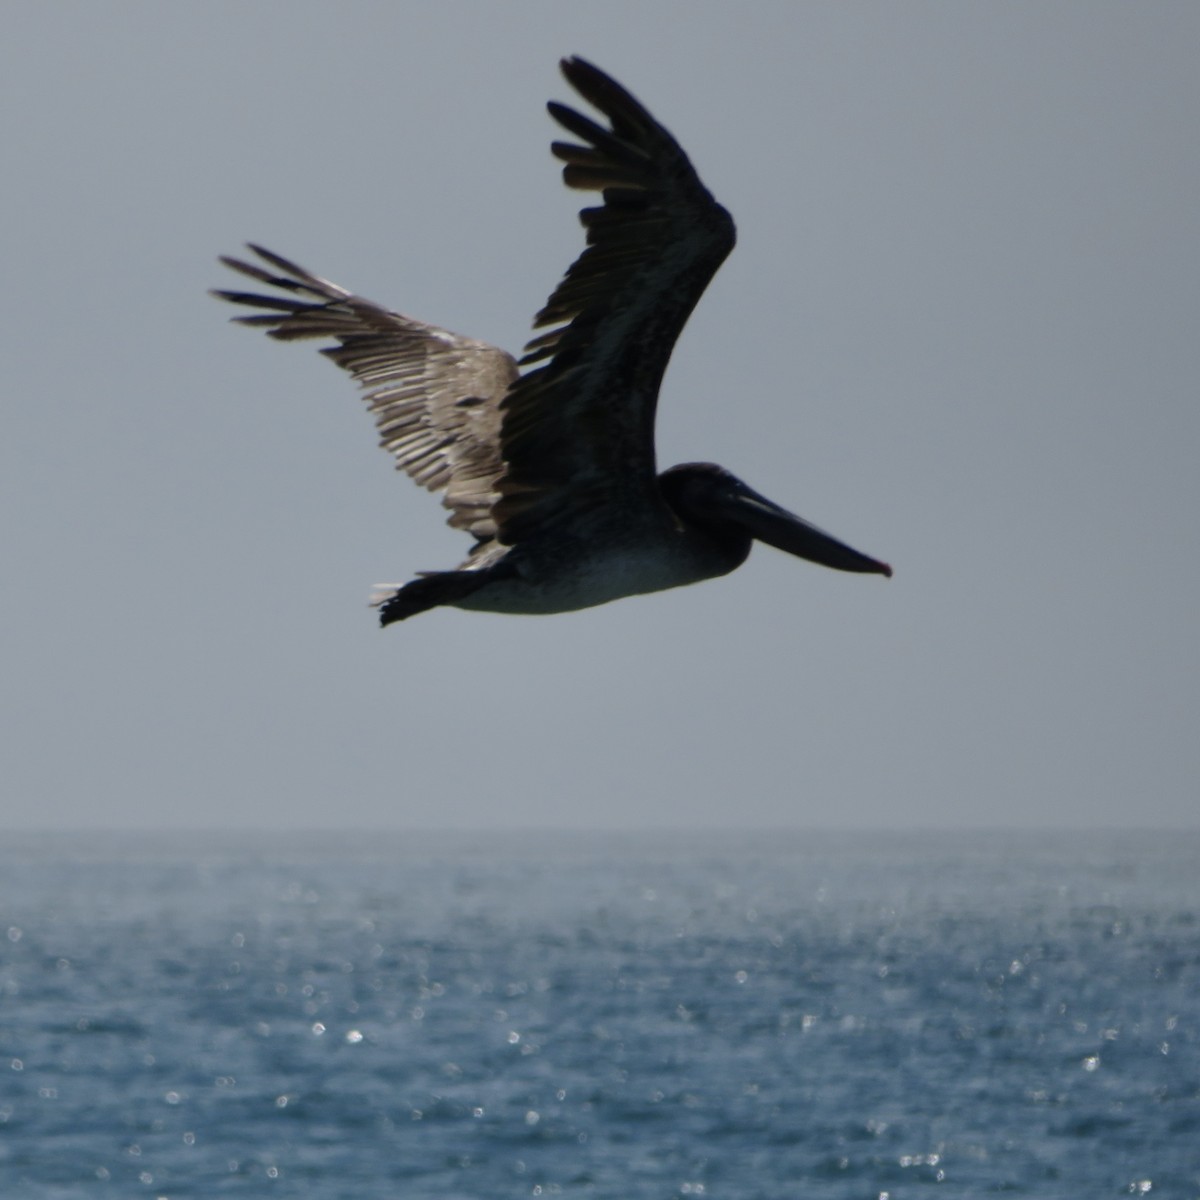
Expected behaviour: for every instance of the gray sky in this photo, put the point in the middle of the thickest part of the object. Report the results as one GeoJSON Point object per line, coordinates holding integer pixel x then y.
{"type": "Point", "coordinates": [960, 330]}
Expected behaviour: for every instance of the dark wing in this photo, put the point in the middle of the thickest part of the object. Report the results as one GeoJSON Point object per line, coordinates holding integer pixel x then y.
{"type": "Point", "coordinates": [435, 396]}
{"type": "Point", "coordinates": [578, 430]}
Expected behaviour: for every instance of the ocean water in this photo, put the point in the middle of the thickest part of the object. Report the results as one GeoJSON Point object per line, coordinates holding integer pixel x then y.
{"type": "Point", "coordinates": [476, 1017]}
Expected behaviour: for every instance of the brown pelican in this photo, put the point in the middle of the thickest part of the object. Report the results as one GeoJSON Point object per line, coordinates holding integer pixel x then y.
{"type": "Point", "coordinates": [552, 469]}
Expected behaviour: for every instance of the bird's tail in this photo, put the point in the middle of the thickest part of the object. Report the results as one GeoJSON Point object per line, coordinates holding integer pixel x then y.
{"type": "Point", "coordinates": [431, 590]}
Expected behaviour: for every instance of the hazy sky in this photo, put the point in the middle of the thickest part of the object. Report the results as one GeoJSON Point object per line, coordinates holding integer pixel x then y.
{"type": "Point", "coordinates": [961, 330]}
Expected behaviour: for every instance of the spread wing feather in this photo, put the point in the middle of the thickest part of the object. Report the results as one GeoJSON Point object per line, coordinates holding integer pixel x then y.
{"type": "Point", "coordinates": [578, 427]}
{"type": "Point", "coordinates": [573, 435]}
{"type": "Point", "coordinates": [435, 395]}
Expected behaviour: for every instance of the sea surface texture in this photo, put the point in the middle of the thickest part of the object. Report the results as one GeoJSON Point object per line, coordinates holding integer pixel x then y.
{"type": "Point", "coordinates": [480, 1017]}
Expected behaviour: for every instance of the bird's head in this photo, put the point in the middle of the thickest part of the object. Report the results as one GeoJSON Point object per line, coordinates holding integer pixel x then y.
{"type": "Point", "coordinates": [715, 500]}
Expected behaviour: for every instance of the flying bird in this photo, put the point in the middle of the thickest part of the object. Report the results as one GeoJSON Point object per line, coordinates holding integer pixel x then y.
{"type": "Point", "coordinates": [548, 462]}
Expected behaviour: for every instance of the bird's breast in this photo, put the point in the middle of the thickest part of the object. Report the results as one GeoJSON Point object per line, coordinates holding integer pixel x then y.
{"type": "Point", "coordinates": [566, 578]}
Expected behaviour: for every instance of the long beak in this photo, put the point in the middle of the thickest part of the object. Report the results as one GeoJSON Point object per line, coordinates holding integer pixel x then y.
{"type": "Point", "coordinates": [785, 531]}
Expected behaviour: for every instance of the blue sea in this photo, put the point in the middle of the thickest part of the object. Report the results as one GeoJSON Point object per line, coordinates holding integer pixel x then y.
{"type": "Point", "coordinates": [635, 1017]}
